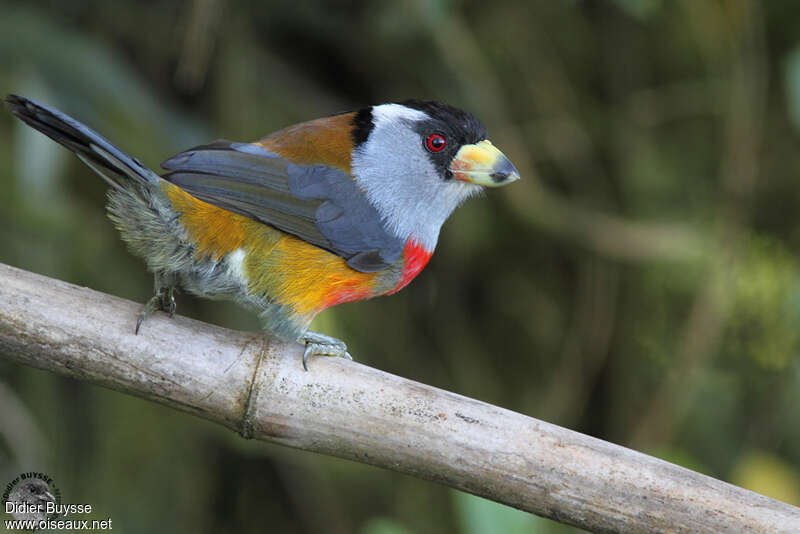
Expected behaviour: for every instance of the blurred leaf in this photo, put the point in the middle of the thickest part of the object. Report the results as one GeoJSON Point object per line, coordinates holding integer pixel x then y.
{"type": "Point", "coordinates": [791, 83]}
{"type": "Point", "coordinates": [479, 516]}
{"type": "Point", "coordinates": [383, 525]}
{"type": "Point", "coordinates": [768, 475]}
{"type": "Point", "coordinates": [435, 11]}
{"type": "Point", "coordinates": [641, 9]}
{"type": "Point", "coordinates": [765, 315]}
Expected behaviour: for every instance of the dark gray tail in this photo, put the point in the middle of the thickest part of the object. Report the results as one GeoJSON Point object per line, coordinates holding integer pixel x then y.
{"type": "Point", "coordinates": [111, 163]}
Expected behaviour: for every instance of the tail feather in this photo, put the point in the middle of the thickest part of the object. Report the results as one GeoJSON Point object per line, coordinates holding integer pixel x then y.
{"type": "Point", "coordinates": [111, 163]}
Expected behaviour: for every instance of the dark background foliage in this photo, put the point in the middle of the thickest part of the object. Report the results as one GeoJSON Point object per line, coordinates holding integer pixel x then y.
{"type": "Point", "coordinates": [640, 284]}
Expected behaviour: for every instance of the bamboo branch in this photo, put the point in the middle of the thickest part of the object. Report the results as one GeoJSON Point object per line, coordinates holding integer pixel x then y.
{"type": "Point", "coordinates": [257, 387]}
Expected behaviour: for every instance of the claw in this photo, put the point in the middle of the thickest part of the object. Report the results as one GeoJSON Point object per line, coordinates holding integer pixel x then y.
{"type": "Point", "coordinates": [163, 300]}
{"type": "Point", "coordinates": [149, 308]}
{"type": "Point", "coordinates": [322, 345]}
{"type": "Point", "coordinates": [306, 354]}
{"type": "Point", "coordinates": [171, 304]}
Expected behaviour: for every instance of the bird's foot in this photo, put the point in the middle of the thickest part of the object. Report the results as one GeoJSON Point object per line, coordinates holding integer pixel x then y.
{"type": "Point", "coordinates": [163, 300]}
{"type": "Point", "coordinates": [322, 345]}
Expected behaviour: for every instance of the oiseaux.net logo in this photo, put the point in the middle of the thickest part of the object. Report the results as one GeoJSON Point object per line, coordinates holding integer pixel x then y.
{"type": "Point", "coordinates": [33, 500]}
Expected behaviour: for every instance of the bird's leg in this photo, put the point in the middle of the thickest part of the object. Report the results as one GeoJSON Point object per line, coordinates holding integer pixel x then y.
{"type": "Point", "coordinates": [164, 298]}
{"type": "Point", "coordinates": [322, 345]}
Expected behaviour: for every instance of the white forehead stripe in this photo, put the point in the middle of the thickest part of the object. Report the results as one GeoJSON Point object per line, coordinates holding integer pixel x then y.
{"type": "Point", "coordinates": [392, 112]}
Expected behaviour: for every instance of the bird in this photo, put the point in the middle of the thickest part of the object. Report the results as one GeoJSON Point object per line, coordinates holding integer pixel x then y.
{"type": "Point", "coordinates": [333, 210]}
{"type": "Point", "coordinates": [31, 498]}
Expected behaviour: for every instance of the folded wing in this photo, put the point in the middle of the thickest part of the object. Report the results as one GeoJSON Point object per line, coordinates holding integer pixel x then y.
{"type": "Point", "coordinates": [319, 204]}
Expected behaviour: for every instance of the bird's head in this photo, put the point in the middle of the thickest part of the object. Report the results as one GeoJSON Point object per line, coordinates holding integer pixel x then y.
{"type": "Point", "coordinates": [417, 161]}
{"type": "Point", "coordinates": [32, 492]}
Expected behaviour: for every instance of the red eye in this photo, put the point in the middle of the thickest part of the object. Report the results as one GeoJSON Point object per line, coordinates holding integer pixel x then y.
{"type": "Point", "coordinates": [435, 142]}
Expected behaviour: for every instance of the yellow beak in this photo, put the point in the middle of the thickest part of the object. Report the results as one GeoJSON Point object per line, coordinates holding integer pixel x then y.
{"type": "Point", "coordinates": [483, 164]}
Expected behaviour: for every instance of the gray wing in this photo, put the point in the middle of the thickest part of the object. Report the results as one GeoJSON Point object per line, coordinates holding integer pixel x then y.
{"type": "Point", "coordinates": [319, 204]}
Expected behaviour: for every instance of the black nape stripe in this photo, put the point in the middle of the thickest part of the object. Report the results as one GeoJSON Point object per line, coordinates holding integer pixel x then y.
{"type": "Point", "coordinates": [362, 126]}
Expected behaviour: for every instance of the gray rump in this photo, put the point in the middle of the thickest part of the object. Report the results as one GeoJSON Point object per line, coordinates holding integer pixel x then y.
{"type": "Point", "coordinates": [319, 204]}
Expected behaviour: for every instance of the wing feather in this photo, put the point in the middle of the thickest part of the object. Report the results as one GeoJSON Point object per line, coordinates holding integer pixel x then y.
{"type": "Point", "coordinates": [317, 203]}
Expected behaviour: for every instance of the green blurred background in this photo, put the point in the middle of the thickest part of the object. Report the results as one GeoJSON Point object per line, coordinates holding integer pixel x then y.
{"type": "Point", "coordinates": [640, 284]}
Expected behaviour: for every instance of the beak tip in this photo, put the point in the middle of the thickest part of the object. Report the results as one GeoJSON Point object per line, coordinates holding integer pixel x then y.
{"type": "Point", "coordinates": [505, 173]}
